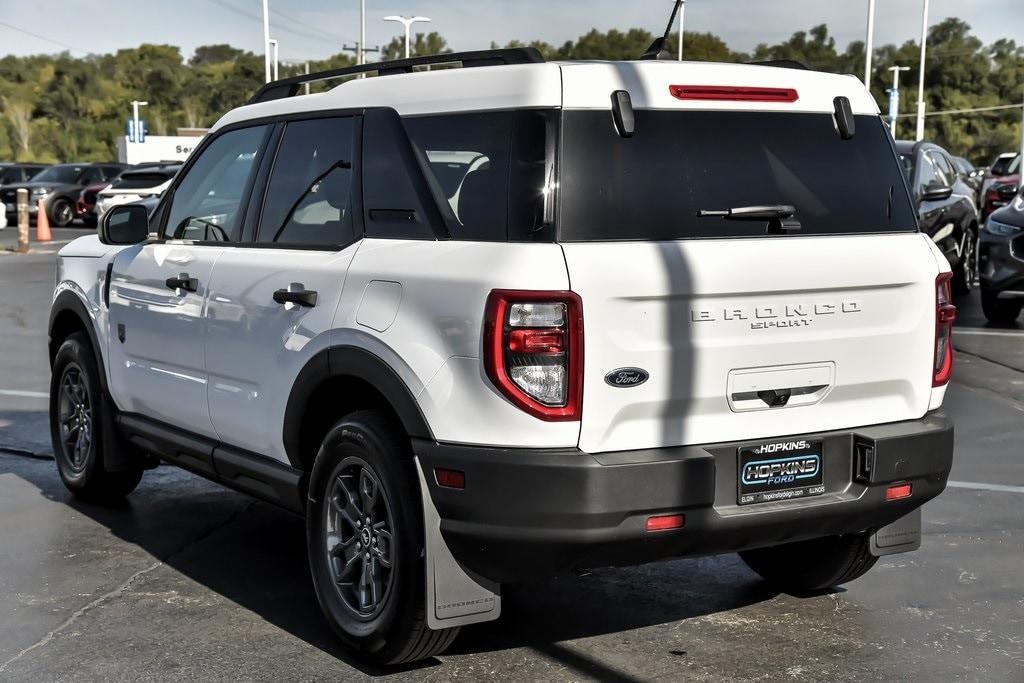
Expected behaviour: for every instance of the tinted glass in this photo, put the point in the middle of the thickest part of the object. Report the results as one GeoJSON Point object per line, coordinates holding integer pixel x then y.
{"type": "Point", "coordinates": [206, 203]}
{"type": "Point", "coordinates": [11, 175]}
{"type": "Point", "coordinates": [945, 167]}
{"type": "Point", "coordinates": [138, 180]}
{"type": "Point", "coordinates": [309, 194]}
{"type": "Point", "coordinates": [652, 185]}
{"type": "Point", "coordinates": [92, 175]}
{"type": "Point", "coordinates": [928, 173]}
{"type": "Point", "coordinates": [60, 174]}
{"type": "Point", "coordinates": [490, 169]}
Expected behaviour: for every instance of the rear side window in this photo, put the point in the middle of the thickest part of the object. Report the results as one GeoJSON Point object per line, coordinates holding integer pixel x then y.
{"type": "Point", "coordinates": [651, 186]}
{"type": "Point", "coordinates": [490, 169]}
{"type": "Point", "coordinates": [309, 197]}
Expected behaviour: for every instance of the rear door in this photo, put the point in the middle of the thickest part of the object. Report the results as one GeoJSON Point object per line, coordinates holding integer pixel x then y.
{"type": "Point", "coordinates": [159, 290]}
{"type": "Point", "coordinates": [742, 334]}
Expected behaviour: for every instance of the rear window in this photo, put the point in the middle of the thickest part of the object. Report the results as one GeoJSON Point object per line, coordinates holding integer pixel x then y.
{"type": "Point", "coordinates": [141, 180]}
{"type": "Point", "coordinates": [651, 186]}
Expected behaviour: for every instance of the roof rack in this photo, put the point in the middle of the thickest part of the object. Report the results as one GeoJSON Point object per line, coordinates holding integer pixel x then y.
{"type": "Point", "coordinates": [783, 64]}
{"type": "Point", "coordinates": [288, 87]}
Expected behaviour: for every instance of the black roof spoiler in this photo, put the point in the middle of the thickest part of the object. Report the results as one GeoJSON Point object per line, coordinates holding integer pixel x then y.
{"type": "Point", "coordinates": [783, 64]}
{"type": "Point", "coordinates": [288, 87]}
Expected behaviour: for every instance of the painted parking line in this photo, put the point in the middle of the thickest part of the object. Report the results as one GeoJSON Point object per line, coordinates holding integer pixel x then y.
{"type": "Point", "coordinates": [981, 332]}
{"type": "Point", "coordinates": [980, 486]}
{"type": "Point", "coordinates": [24, 394]}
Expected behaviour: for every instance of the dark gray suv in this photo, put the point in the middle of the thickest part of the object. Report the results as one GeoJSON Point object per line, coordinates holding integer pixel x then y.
{"type": "Point", "coordinates": [1001, 262]}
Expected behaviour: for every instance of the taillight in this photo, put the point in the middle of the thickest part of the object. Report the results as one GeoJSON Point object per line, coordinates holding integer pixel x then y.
{"type": "Point", "coordinates": [945, 314]}
{"type": "Point", "coordinates": [533, 351]}
{"type": "Point", "coordinates": [733, 93]}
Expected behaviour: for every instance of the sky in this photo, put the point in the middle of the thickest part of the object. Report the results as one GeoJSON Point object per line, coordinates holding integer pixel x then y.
{"type": "Point", "coordinates": [311, 29]}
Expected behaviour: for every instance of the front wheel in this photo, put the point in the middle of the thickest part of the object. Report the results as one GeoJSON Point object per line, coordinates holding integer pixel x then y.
{"type": "Point", "coordinates": [62, 213]}
{"type": "Point", "coordinates": [1000, 311]}
{"type": "Point", "coordinates": [814, 565]}
{"type": "Point", "coordinates": [77, 415]}
{"type": "Point", "coordinates": [364, 533]}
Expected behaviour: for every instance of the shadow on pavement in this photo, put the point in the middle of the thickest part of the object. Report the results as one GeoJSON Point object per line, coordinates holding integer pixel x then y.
{"type": "Point", "coordinates": [254, 555]}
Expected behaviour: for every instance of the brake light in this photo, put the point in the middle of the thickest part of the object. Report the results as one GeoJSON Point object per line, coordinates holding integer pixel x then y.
{"type": "Point", "coordinates": [733, 93]}
{"type": "Point", "coordinates": [945, 314]}
{"type": "Point", "coordinates": [533, 351]}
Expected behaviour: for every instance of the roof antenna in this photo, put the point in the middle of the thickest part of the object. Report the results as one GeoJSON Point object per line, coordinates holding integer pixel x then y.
{"type": "Point", "coordinates": [657, 49]}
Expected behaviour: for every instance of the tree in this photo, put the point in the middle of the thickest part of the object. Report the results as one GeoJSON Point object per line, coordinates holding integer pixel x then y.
{"type": "Point", "coordinates": [19, 114]}
{"type": "Point", "coordinates": [424, 44]}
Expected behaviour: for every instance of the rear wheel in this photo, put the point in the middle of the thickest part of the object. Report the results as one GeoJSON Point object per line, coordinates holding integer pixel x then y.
{"type": "Point", "coordinates": [364, 532]}
{"type": "Point", "coordinates": [967, 269]}
{"type": "Point", "coordinates": [61, 213]}
{"type": "Point", "coordinates": [1000, 311]}
{"type": "Point", "coordinates": [77, 414]}
{"type": "Point", "coordinates": [813, 565]}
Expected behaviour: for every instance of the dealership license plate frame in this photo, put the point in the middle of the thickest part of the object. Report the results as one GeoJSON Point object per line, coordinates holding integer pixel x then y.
{"type": "Point", "coordinates": [782, 471]}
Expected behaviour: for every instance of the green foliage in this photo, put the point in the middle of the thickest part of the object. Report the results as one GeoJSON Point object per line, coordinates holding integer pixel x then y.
{"type": "Point", "coordinates": [58, 108]}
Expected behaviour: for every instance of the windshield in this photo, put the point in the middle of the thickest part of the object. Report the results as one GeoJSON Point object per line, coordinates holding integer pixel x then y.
{"type": "Point", "coordinates": [59, 174]}
{"type": "Point", "coordinates": [1006, 165]}
{"type": "Point", "coordinates": [651, 186]}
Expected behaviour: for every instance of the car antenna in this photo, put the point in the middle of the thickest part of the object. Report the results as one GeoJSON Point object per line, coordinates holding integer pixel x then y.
{"type": "Point", "coordinates": [657, 49]}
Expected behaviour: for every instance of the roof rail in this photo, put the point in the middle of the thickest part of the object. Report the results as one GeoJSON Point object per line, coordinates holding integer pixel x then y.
{"type": "Point", "coordinates": [288, 87]}
{"type": "Point", "coordinates": [784, 64]}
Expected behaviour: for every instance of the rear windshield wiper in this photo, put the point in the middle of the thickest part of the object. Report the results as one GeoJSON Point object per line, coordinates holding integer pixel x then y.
{"type": "Point", "coordinates": [779, 217]}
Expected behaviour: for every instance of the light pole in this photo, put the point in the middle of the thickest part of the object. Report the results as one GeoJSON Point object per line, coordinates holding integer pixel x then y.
{"type": "Point", "coordinates": [362, 33]}
{"type": "Point", "coordinates": [682, 8]}
{"type": "Point", "coordinates": [894, 97]}
{"type": "Point", "coordinates": [272, 43]}
{"type": "Point", "coordinates": [266, 42]}
{"type": "Point", "coordinates": [407, 22]}
{"type": "Point", "coordinates": [869, 44]}
{"type": "Point", "coordinates": [920, 81]}
{"type": "Point", "coordinates": [136, 125]}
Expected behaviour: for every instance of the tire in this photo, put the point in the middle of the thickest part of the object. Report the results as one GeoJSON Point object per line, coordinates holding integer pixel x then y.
{"type": "Point", "coordinates": [814, 565]}
{"type": "Point", "coordinates": [966, 270]}
{"type": "Point", "coordinates": [1000, 311]}
{"type": "Point", "coordinates": [78, 415]}
{"type": "Point", "coordinates": [61, 213]}
{"type": "Point", "coordinates": [364, 452]}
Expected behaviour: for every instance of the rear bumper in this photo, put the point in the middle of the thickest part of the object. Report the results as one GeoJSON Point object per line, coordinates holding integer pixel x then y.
{"type": "Point", "coordinates": [532, 512]}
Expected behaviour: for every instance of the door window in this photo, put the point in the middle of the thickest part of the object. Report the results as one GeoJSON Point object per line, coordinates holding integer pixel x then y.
{"type": "Point", "coordinates": [309, 198]}
{"type": "Point", "coordinates": [206, 204]}
{"type": "Point", "coordinates": [91, 175]}
{"type": "Point", "coordinates": [927, 173]}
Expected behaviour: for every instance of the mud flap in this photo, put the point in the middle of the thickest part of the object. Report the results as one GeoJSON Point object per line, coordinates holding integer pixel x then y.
{"type": "Point", "coordinates": [902, 536]}
{"type": "Point", "coordinates": [455, 597]}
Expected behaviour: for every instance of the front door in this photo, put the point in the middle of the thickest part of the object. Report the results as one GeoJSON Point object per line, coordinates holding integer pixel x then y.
{"type": "Point", "coordinates": [159, 290]}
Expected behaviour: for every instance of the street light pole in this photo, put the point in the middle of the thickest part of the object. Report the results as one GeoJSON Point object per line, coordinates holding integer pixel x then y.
{"type": "Point", "coordinates": [273, 43]}
{"type": "Point", "coordinates": [266, 42]}
{"type": "Point", "coordinates": [920, 81]}
{"type": "Point", "coordinates": [894, 97]}
{"type": "Point", "coordinates": [362, 32]}
{"type": "Point", "coordinates": [869, 44]}
{"type": "Point", "coordinates": [682, 8]}
{"type": "Point", "coordinates": [407, 22]}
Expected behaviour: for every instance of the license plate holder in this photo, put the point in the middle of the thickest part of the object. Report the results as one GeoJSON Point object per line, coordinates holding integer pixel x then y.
{"type": "Point", "coordinates": [779, 470]}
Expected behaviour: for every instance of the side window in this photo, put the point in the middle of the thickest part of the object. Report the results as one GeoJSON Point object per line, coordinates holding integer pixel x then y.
{"type": "Point", "coordinates": [206, 204]}
{"type": "Point", "coordinates": [927, 173]}
{"type": "Point", "coordinates": [946, 167]}
{"type": "Point", "coordinates": [93, 174]}
{"type": "Point", "coordinates": [309, 196]}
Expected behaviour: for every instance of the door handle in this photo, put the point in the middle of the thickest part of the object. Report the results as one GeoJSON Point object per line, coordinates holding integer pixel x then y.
{"type": "Point", "coordinates": [295, 294]}
{"type": "Point", "coordinates": [183, 281]}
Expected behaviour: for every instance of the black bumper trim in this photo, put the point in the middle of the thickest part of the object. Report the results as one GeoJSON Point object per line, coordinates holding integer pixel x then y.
{"type": "Point", "coordinates": [532, 512]}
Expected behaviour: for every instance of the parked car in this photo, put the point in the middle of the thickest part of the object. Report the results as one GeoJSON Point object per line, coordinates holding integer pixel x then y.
{"type": "Point", "coordinates": [140, 182]}
{"type": "Point", "coordinates": [999, 168]}
{"type": "Point", "coordinates": [58, 186]}
{"type": "Point", "coordinates": [970, 175]}
{"type": "Point", "coordinates": [1001, 252]}
{"type": "Point", "coordinates": [18, 173]}
{"type": "Point", "coordinates": [85, 206]}
{"type": "Point", "coordinates": [946, 208]}
{"type": "Point", "coordinates": [1002, 188]}
{"type": "Point", "coordinates": [367, 306]}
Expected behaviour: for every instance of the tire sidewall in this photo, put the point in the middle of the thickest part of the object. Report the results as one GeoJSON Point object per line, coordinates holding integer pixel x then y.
{"type": "Point", "coordinates": [53, 212]}
{"type": "Point", "coordinates": [74, 351]}
{"type": "Point", "coordinates": [368, 437]}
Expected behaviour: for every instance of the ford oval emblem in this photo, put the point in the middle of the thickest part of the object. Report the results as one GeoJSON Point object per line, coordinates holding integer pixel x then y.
{"type": "Point", "coordinates": [626, 377]}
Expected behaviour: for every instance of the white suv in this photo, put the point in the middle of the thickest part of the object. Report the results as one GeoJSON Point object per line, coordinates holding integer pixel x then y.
{"type": "Point", "coordinates": [498, 322]}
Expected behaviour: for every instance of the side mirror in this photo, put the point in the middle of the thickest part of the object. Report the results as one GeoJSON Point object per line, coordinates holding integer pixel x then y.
{"type": "Point", "coordinates": [128, 224]}
{"type": "Point", "coordinates": [936, 192]}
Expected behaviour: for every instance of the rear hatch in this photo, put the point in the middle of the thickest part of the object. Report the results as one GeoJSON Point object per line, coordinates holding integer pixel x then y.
{"type": "Point", "coordinates": [703, 329]}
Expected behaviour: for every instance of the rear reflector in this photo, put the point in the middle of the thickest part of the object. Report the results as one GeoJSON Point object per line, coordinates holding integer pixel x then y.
{"type": "Point", "coordinates": [898, 491]}
{"type": "Point", "coordinates": [733, 93]}
{"type": "Point", "coordinates": [665, 522]}
{"type": "Point", "coordinates": [450, 479]}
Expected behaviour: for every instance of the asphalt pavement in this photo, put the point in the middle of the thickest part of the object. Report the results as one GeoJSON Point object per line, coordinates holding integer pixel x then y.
{"type": "Point", "coordinates": [188, 580]}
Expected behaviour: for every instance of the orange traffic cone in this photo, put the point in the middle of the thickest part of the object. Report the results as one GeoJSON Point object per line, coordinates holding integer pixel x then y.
{"type": "Point", "coordinates": [42, 224]}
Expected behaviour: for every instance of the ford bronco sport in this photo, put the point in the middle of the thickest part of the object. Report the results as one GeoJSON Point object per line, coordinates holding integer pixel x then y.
{"type": "Point", "coordinates": [499, 322]}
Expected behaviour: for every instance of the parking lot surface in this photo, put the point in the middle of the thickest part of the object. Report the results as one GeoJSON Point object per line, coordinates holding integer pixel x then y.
{"type": "Point", "coordinates": [189, 580]}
